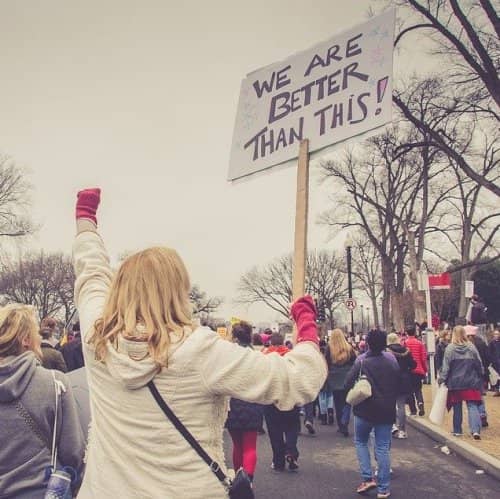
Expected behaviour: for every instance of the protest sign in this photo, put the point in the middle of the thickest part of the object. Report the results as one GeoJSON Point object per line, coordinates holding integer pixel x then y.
{"type": "Point", "coordinates": [327, 94]}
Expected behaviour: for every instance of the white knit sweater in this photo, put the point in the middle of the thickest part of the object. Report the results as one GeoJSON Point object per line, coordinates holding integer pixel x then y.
{"type": "Point", "coordinates": [134, 451]}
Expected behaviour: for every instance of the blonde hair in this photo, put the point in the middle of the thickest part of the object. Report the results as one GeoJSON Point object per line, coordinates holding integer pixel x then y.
{"type": "Point", "coordinates": [149, 294]}
{"type": "Point", "coordinates": [340, 350]}
{"type": "Point", "coordinates": [459, 336]}
{"type": "Point", "coordinates": [18, 330]}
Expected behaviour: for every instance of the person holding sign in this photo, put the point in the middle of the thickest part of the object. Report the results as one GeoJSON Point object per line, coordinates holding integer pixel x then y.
{"type": "Point", "coordinates": [138, 337]}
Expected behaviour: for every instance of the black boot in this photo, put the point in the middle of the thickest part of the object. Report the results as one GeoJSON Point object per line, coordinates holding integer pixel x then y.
{"type": "Point", "coordinates": [421, 411]}
{"type": "Point", "coordinates": [330, 416]}
{"type": "Point", "coordinates": [322, 419]}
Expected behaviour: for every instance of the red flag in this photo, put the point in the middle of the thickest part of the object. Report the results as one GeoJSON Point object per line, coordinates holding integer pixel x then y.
{"type": "Point", "coordinates": [440, 281]}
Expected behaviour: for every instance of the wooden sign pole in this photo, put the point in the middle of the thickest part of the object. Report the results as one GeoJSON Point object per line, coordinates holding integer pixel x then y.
{"type": "Point", "coordinates": [301, 213]}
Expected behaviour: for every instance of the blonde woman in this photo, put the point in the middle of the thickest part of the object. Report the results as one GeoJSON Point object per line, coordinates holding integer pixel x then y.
{"type": "Point", "coordinates": [462, 372]}
{"type": "Point", "coordinates": [136, 327]}
{"type": "Point", "coordinates": [340, 357]}
{"type": "Point", "coordinates": [28, 406]}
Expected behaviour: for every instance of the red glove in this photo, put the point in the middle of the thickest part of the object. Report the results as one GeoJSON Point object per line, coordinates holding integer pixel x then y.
{"type": "Point", "coordinates": [304, 314]}
{"type": "Point", "coordinates": [87, 203]}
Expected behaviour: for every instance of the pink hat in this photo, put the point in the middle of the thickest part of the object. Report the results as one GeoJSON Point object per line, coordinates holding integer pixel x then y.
{"type": "Point", "coordinates": [470, 330]}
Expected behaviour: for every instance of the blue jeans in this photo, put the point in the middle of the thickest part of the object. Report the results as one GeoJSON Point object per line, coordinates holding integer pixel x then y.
{"type": "Point", "coordinates": [325, 401]}
{"type": "Point", "coordinates": [362, 429]}
{"type": "Point", "coordinates": [474, 417]}
{"type": "Point", "coordinates": [482, 408]}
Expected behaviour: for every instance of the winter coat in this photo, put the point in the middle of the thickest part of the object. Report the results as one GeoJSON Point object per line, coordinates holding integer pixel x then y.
{"type": "Point", "coordinates": [52, 358]}
{"type": "Point", "coordinates": [73, 354]}
{"type": "Point", "coordinates": [494, 348]}
{"type": "Point", "coordinates": [382, 371]}
{"type": "Point", "coordinates": [462, 368]}
{"type": "Point", "coordinates": [406, 365]}
{"type": "Point", "coordinates": [337, 373]}
{"type": "Point", "coordinates": [246, 416]}
{"type": "Point", "coordinates": [439, 355]}
{"type": "Point", "coordinates": [419, 354]}
{"type": "Point", "coordinates": [484, 354]}
{"type": "Point", "coordinates": [478, 313]}
{"type": "Point", "coordinates": [28, 407]}
{"type": "Point", "coordinates": [133, 450]}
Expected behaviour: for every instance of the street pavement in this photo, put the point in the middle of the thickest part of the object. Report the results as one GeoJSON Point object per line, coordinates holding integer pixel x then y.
{"type": "Point", "coordinates": [329, 469]}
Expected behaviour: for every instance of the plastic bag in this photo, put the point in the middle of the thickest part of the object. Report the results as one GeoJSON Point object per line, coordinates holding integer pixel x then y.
{"type": "Point", "coordinates": [438, 409]}
{"type": "Point", "coordinates": [493, 376]}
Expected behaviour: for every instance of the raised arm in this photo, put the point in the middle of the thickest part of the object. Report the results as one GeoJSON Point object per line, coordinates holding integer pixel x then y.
{"type": "Point", "coordinates": [293, 379]}
{"type": "Point", "coordinates": [91, 261]}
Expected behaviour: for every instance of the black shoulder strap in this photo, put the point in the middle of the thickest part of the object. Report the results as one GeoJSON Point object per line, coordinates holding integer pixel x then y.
{"type": "Point", "coordinates": [213, 465]}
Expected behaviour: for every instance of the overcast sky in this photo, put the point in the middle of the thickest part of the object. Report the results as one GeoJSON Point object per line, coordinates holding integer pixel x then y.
{"type": "Point", "coordinates": [139, 98]}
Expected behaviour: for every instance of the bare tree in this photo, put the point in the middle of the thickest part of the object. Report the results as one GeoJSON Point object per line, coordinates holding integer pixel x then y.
{"type": "Point", "coordinates": [465, 35]}
{"type": "Point", "coordinates": [14, 200]}
{"type": "Point", "coordinates": [45, 281]}
{"type": "Point", "coordinates": [203, 304]}
{"type": "Point", "coordinates": [366, 270]}
{"type": "Point", "coordinates": [325, 280]}
{"type": "Point", "coordinates": [476, 239]}
{"type": "Point", "coordinates": [272, 284]}
{"type": "Point", "coordinates": [392, 193]}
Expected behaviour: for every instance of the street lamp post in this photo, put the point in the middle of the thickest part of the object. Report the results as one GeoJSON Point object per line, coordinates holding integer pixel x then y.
{"type": "Point", "coordinates": [367, 317]}
{"type": "Point", "coordinates": [362, 320]}
{"type": "Point", "coordinates": [349, 277]}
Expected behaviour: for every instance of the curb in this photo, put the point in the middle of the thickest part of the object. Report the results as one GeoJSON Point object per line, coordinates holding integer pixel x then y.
{"type": "Point", "coordinates": [479, 458]}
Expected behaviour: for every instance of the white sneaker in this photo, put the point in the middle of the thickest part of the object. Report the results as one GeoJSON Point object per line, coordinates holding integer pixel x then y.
{"type": "Point", "coordinates": [394, 430]}
{"type": "Point", "coordinates": [401, 434]}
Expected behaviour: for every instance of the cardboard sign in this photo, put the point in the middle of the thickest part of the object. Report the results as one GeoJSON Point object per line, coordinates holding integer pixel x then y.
{"type": "Point", "coordinates": [222, 331]}
{"type": "Point", "coordinates": [329, 93]}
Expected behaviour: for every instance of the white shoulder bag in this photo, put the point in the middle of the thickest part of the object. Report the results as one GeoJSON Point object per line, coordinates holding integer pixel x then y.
{"type": "Point", "coordinates": [361, 390]}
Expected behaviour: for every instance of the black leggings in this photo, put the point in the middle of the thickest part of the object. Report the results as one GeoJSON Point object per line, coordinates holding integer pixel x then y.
{"type": "Point", "coordinates": [339, 397]}
{"type": "Point", "coordinates": [416, 392]}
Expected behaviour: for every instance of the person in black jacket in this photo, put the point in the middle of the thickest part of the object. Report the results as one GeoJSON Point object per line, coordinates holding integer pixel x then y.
{"type": "Point", "coordinates": [72, 351]}
{"type": "Point", "coordinates": [377, 413]}
{"type": "Point", "coordinates": [484, 354]}
{"type": "Point", "coordinates": [441, 344]}
{"type": "Point", "coordinates": [244, 419]}
{"type": "Point", "coordinates": [51, 357]}
{"type": "Point", "coordinates": [406, 365]}
{"type": "Point", "coordinates": [494, 348]}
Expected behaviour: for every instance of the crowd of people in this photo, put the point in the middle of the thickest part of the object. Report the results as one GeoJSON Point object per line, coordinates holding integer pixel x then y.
{"type": "Point", "coordinates": [142, 352]}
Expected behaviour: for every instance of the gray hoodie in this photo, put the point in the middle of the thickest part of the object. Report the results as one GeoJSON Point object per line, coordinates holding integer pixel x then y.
{"type": "Point", "coordinates": [27, 405]}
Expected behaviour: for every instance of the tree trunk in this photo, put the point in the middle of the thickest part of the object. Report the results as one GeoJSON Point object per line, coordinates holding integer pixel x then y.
{"type": "Point", "coordinates": [388, 286]}
{"type": "Point", "coordinates": [463, 303]}
{"type": "Point", "coordinates": [397, 314]}
{"type": "Point", "coordinates": [376, 320]}
{"type": "Point", "coordinates": [468, 271]}
{"type": "Point", "coordinates": [418, 297]}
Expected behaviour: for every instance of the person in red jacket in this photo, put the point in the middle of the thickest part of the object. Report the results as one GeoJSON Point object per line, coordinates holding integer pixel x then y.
{"type": "Point", "coordinates": [419, 354]}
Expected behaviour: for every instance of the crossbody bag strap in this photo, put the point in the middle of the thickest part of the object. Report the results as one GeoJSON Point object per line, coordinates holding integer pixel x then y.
{"type": "Point", "coordinates": [213, 465]}
{"type": "Point", "coordinates": [59, 389]}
